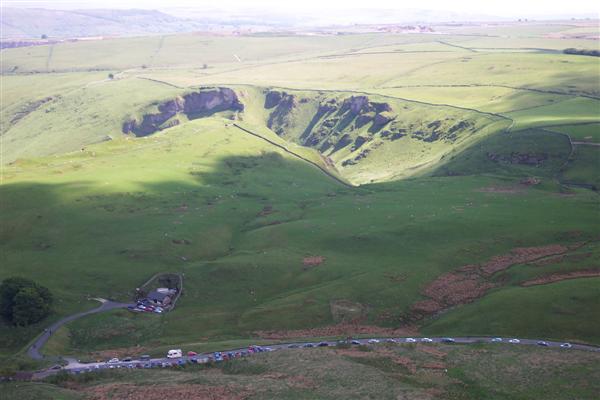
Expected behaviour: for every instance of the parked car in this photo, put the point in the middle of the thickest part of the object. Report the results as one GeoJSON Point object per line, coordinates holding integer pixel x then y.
{"type": "Point", "coordinates": [373, 341]}
{"type": "Point", "coordinates": [448, 340]}
{"type": "Point", "coordinates": [514, 341]}
{"type": "Point", "coordinates": [426, 340]}
{"type": "Point", "coordinates": [355, 342]}
{"type": "Point", "coordinates": [306, 345]}
{"type": "Point", "coordinates": [144, 357]}
{"type": "Point", "coordinates": [126, 359]}
{"type": "Point", "coordinates": [323, 344]}
{"type": "Point", "coordinates": [56, 367]}
{"type": "Point", "coordinates": [174, 353]}
{"type": "Point", "coordinates": [566, 345]}
{"type": "Point", "coordinates": [293, 346]}
{"type": "Point", "coordinates": [411, 340]}
{"type": "Point", "coordinates": [192, 353]}
{"type": "Point", "coordinates": [542, 343]}
{"type": "Point", "coordinates": [113, 360]}
{"type": "Point", "coordinates": [496, 339]}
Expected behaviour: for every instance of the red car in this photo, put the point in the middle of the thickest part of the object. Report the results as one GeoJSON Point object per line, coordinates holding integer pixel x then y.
{"type": "Point", "coordinates": [192, 353]}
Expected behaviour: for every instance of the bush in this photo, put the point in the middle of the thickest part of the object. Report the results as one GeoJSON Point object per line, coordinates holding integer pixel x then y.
{"type": "Point", "coordinates": [24, 302]}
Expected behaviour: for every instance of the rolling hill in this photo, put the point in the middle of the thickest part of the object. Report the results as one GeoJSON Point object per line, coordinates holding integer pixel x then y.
{"type": "Point", "coordinates": [435, 181]}
{"type": "Point", "coordinates": [28, 23]}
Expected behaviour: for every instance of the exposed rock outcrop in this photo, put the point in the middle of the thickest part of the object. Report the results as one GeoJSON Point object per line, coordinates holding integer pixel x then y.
{"type": "Point", "coordinates": [349, 128]}
{"type": "Point", "coordinates": [383, 118]}
{"type": "Point", "coordinates": [193, 105]}
{"type": "Point", "coordinates": [283, 106]}
{"type": "Point", "coordinates": [272, 98]}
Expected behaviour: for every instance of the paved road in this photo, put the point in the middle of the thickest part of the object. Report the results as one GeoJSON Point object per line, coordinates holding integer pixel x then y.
{"type": "Point", "coordinates": [34, 350]}
{"type": "Point", "coordinates": [76, 367]}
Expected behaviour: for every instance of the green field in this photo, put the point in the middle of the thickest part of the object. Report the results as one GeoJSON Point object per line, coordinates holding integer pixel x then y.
{"type": "Point", "coordinates": [474, 159]}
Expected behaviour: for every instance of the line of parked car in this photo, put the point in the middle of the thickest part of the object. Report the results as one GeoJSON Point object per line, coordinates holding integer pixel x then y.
{"type": "Point", "coordinates": [192, 356]}
{"type": "Point", "coordinates": [146, 306]}
{"type": "Point", "coordinates": [543, 343]}
{"type": "Point", "coordinates": [175, 357]}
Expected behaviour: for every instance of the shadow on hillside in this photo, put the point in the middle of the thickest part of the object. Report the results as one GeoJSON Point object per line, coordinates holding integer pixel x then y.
{"type": "Point", "coordinates": [93, 238]}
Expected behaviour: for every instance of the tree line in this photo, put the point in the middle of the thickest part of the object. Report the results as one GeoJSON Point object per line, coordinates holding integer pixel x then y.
{"type": "Point", "coordinates": [582, 52]}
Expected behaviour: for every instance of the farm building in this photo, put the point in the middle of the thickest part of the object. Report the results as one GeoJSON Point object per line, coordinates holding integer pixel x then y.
{"type": "Point", "coordinates": [159, 298]}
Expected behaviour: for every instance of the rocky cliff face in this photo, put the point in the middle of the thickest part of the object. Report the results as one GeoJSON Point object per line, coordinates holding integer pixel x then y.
{"type": "Point", "coordinates": [283, 106]}
{"type": "Point", "coordinates": [350, 129]}
{"type": "Point", "coordinates": [335, 123]}
{"type": "Point", "coordinates": [193, 105]}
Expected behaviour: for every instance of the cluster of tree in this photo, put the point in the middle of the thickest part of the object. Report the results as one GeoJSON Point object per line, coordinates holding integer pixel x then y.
{"type": "Point", "coordinates": [24, 302]}
{"type": "Point", "coordinates": [582, 52]}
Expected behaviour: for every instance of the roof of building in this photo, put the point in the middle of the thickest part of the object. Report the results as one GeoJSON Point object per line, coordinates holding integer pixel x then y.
{"type": "Point", "coordinates": [157, 296]}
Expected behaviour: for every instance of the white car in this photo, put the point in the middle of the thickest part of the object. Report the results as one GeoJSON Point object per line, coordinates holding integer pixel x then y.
{"type": "Point", "coordinates": [426, 340]}
{"type": "Point", "coordinates": [411, 340]}
{"type": "Point", "coordinates": [497, 339]}
{"type": "Point", "coordinates": [372, 341]}
{"type": "Point", "coordinates": [113, 360]}
{"type": "Point", "coordinates": [514, 341]}
{"type": "Point", "coordinates": [566, 345]}
{"type": "Point", "coordinates": [174, 353]}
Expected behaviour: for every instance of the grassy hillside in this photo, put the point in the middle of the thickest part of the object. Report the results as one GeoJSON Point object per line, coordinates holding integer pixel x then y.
{"type": "Point", "coordinates": [451, 177]}
{"type": "Point", "coordinates": [127, 203]}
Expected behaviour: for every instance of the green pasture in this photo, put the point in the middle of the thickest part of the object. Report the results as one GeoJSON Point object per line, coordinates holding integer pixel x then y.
{"type": "Point", "coordinates": [88, 211]}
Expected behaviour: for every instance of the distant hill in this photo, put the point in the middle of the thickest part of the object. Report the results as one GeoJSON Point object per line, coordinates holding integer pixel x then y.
{"type": "Point", "coordinates": [22, 23]}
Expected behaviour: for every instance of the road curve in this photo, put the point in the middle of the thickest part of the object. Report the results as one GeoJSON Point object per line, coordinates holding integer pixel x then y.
{"type": "Point", "coordinates": [34, 350]}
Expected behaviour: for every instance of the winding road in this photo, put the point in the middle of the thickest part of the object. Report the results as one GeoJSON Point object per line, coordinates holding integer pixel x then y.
{"type": "Point", "coordinates": [76, 367]}
{"type": "Point", "coordinates": [34, 350]}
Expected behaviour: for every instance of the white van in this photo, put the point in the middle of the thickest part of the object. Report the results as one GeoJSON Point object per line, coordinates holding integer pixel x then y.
{"type": "Point", "coordinates": [174, 353]}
